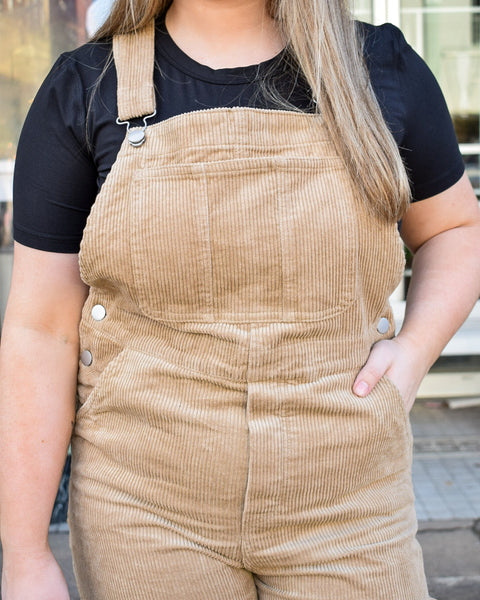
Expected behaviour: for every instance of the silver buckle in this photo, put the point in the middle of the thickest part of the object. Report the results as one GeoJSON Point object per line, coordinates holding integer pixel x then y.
{"type": "Point", "coordinates": [136, 137]}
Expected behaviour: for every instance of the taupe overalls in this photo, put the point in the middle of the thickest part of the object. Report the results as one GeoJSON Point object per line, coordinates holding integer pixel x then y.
{"type": "Point", "coordinates": [237, 285]}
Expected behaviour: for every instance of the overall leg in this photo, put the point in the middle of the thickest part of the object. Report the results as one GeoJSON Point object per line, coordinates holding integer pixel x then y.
{"type": "Point", "coordinates": [333, 516]}
{"type": "Point", "coordinates": [346, 585]}
{"type": "Point", "coordinates": [145, 560]}
{"type": "Point", "coordinates": [159, 469]}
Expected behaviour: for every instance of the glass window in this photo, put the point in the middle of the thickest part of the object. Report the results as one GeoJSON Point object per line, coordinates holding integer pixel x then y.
{"type": "Point", "coordinates": [447, 34]}
{"type": "Point", "coordinates": [363, 10]}
{"type": "Point", "coordinates": [32, 35]}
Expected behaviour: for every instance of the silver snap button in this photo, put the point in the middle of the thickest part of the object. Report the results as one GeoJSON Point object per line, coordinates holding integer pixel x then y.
{"type": "Point", "coordinates": [99, 312]}
{"type": "Point", "coordinates": [136, 137]}
{"type": "Point", "coordinates": [383, 325]}
{"type": "Point", "coordinates": [86, 358]}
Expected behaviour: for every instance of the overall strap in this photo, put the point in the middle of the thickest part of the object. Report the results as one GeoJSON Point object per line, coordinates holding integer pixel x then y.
{"type": "Point", "coordinates": [133, 54]}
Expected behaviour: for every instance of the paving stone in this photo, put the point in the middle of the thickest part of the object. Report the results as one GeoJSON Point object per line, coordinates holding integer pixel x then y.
{"type": "Point", "coordinates": [452, 560]}
{"type": "Point", "coordinates": [446, 461]}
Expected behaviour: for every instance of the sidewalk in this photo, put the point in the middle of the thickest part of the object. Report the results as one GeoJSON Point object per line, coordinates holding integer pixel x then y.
{"type": "Point", "coordinates": [446, 478]}
{"type": "Point", "coordinates": [451, 550]}
{"type": "Point", "coordinates": [446, 466]}
{"type": "Point", "coordinates": [446, 475]}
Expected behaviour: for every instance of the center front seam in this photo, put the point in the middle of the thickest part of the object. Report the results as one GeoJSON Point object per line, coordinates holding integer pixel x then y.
{"type": "Point", "coordinates": [244, 507]}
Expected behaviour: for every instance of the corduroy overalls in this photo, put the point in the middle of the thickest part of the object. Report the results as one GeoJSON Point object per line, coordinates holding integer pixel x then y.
{"type": "Point", "coordinates": [237, 284]}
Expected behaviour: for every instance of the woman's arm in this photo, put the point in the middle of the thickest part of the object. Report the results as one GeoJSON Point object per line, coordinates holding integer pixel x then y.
{"type": "Point", "coordinates": [38, 368]}
{"type": "Point", "coordinates": [443, 232]}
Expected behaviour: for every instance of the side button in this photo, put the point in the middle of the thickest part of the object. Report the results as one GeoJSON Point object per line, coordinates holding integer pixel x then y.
{"type": "Point", "coordinates": [98, 312]}
{"type": "Point", "coordinates": [86, 358]}
{"type": "Point", "coordinates": [383, 325]}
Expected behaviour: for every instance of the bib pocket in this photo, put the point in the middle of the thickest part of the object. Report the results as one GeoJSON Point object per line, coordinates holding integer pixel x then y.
{"type": "Point", "coordinates": [263, 239]}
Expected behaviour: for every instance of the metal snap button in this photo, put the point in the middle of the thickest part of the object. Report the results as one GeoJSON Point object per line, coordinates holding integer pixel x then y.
{"type": "Point", "coordinates": [136, 137]}
{"type": "Point", "coordinates": [383, 325]}
{"type": "Point", "coordinates": [98, 312]}
{"type": "Point", "coordinates": [86, 358]}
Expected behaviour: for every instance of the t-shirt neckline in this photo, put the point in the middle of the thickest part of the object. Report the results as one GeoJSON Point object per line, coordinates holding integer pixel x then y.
{"type": "Point", "coordinates": [187, 65]}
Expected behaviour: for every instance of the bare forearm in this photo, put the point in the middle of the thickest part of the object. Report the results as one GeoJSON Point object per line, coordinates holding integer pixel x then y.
{"type": "Point", "coordinates": [444, 287]}
{"type": "Point", "coordinates": [37, 404]}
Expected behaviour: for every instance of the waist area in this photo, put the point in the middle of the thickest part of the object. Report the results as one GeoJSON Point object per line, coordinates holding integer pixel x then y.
{"type": "Point", "coordinates": [248, 352]}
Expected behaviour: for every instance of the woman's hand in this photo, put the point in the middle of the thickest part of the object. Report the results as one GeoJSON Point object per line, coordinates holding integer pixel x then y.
{"type": "Point", "coordinates": [443, 234]}
{"type": "Point", "coordinates": [36, 577]}
{"type": "Point", "coordinates": [397, 361]}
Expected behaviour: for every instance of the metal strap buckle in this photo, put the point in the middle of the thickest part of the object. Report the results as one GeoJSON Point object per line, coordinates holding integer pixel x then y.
{"type": "Point", "coordinates": [136, 137]}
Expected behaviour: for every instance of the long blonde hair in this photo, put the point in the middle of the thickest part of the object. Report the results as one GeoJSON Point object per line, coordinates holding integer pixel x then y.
{"type": "Point", "coordinates": [323, 40]}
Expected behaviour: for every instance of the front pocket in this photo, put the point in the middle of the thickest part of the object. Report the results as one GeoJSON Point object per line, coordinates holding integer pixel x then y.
{"type": "Point", "coordinates": [340, 444]}
{"type": "Point", "coordinates": [270, 239]}
{"type": "Point", "coordinates": [396, 394]}
{"type": "Point", "coordinates": [107, 357]}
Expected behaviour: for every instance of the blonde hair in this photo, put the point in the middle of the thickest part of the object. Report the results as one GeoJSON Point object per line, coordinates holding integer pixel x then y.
{"type": "Point", "coordinates": [322, 39]}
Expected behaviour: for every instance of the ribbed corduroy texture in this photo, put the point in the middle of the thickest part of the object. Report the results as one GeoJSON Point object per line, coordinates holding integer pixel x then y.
{"type": "Point", "coordinates": [219, 452]}
{"type": "Point", "coordinates": [136, 93]}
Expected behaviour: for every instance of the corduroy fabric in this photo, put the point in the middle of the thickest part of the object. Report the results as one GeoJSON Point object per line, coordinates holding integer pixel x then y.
{"type": "Point", "coordinates": [219, 451]}
{"type": "Point", "coordinates": [135, 90]}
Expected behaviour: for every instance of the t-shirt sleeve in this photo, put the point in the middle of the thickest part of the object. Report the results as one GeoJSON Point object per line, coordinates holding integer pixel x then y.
{"type": "Point", "coordinates": [55, 175]}
{"type": "Point", "coordinates": [415, 111]}
{"type": "Point", "coordinates": [429, 145]}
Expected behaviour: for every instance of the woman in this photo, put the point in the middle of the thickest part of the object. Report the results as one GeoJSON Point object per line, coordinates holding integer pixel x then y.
{"type": "Point", "coordinates": [242, 429]}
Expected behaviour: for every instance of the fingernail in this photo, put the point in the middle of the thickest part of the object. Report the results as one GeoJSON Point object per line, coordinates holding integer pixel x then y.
{"type": "Point", "coordinates": [361, 388]}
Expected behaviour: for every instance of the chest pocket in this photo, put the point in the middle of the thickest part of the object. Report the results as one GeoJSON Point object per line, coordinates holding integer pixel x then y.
{"type": "Point", "coordinates": [264, 239]}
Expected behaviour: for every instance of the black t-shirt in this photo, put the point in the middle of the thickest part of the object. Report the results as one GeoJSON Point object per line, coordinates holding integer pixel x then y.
{"type": "Point", "coordinates": [58, 174]}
